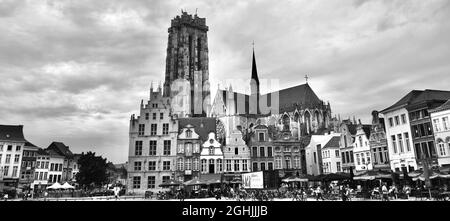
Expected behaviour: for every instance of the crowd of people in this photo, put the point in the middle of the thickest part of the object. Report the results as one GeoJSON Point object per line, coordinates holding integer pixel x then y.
{"type": "Point", "coordinates": [333, 191]}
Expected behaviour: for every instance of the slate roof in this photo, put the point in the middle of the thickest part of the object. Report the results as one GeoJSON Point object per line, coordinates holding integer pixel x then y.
{"type": "Point", "coordinates": [333, 142]}
{"type": "Point", "coordinates": [297, 95]}
{"type": "Point", "coordinates": [367, 128]}
{"type": "Point", "coordinates": [445, 106]}
{"type": "Point", "coordinates": [42, 152]}
{"type": "Point", "coordinates": [12, 133]}
{"type": "Point", "coordinates": [352, 128]}
{"type": "Point", "coordinates": [288, 99]}
{"type": "Point", "coordinates": [202, 125]}
{"type": "Point", "coordinates": [61, 149]}
{"type": "Point", "coordinates": [30, 145]}
{"type": "Point", "coordinates": [419, 96]}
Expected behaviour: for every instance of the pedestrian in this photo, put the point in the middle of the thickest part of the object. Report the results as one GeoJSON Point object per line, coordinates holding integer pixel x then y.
{"type": "Point", "coordinates": [407, 191]}
{"type": "Point", "coordinates": [116, 192]}
{"type": "Point", "coordinates": [5, 197]}
{"type": "Point", "coordinates": [344, 193]}
{"type": "Point", "coordinates": [319, 193]}
{"type": "Point", "coordinates": [45, 195]}
{"type": "Point", "coordinates": [385, 192]}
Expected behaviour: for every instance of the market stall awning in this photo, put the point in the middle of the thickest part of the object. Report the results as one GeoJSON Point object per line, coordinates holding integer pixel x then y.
{"type": "Point", "coordinates": [66, 185]}
{"type": "Point", "coordinates": [55, 186]}
{"type": "Point", "coordinates": [433, 175]}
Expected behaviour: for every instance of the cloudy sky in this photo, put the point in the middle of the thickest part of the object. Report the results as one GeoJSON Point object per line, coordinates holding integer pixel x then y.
{"type": "Point", "coordinates": [74, 71]}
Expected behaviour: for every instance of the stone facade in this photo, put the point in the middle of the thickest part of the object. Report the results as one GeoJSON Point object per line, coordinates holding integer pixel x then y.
{"type": "Point", "coordinates": [28, 165]}
{"type": "Point", "coordinates": [262, 149]}
{"type": "Point", "coordinates": [331, 156]}
{"type": "Point", "coordinates": [187, 65]}
{"type": "Point", "coordinates": [188, 154]}
{"type": "Point", "coordinates": [440, 117]}
{"type": "Point", "coordinates": [378, 143]}
{"type": "Point", "coordinates": [12, 143]}
{"type": "Point", "coordinates": [152, 147]}
{"type": "Point", "coordinates": [348, 132]}
{"type": "Point", "coordinates": [236, 156]}
{"type": "Point", "coordinates": [211, 156]}
{"type": "Point", "coordinates": [361, 148]}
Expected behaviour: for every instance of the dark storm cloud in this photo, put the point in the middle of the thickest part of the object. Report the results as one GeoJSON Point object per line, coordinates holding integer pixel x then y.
{"type": "Point", "coordinates": [74, 71]}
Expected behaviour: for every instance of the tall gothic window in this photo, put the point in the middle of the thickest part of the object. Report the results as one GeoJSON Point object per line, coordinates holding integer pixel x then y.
{"type": "Point", "coordinates": [199, 53]}
{"type": "Point", "coordinates": [286, 122]}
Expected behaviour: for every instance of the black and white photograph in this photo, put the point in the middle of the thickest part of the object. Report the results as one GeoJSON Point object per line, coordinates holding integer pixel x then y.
{"type": "Point", "coordinates": [222, 101]}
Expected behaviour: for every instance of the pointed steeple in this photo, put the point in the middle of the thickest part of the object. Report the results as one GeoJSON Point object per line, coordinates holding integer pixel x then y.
{"type": "Point", "coordinates": [254, 70]}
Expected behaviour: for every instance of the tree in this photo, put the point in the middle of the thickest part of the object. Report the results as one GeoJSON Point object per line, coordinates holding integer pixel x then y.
{"type": "Point", "coordinates": [92, 170]}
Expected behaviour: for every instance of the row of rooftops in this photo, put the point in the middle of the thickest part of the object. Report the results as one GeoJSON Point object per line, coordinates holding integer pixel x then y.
{"type": "Point", "coordinates": [14, 133]}
{"type": "Point", "coordinates": [418, 97]}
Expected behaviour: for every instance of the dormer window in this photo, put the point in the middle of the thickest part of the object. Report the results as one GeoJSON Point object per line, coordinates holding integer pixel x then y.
{"type": "Point", "coordinates": [188, 133]}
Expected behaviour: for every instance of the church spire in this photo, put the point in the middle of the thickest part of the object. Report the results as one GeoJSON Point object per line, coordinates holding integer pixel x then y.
{"type": "Point", "coordinates": [254, 70]}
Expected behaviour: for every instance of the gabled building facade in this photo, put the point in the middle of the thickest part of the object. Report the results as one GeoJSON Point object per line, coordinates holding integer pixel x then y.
{"type": "Point", "coordinates": [440, 117]}
{"type": "Point", "coordinates": [378, 143]}
{"type": "Point", "coordinates": [192, 134]}
{"type": "Point", "coordinates": [361, 148]}
{"type": "Point", "coordinates": [409, 132]}
{"type": "Point", "coordinates": [12, 143]}
{"type": "Point", "coordinates": [331, 156]}
{"type": "Point", "coordinates": [152, 148]}
{"type": "Point", "coordinates": [236, 156]}
{"type": "Point", "coordinates": [348, 132]}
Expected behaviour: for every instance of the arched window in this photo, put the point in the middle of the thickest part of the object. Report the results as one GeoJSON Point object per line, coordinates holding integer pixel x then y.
{"type": "Point", "coordinates": [286, 122]}
{"type": "Point", "coordinates": [317, 117]}
{"type": "Point", "coordinates": [236, 151]}
{"type": "Point", "coordinates": [308, 122]}
{"type": "Point", "coordinates": [188, 133]}
{"type": "Point", "coordinates": [296, 117]}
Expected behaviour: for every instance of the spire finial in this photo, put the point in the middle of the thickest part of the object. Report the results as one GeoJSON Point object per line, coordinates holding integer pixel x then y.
{"type": "Point", "coordinates": [306, 77]}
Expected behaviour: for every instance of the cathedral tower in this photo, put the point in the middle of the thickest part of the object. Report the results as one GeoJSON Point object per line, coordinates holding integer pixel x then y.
{"type": "Point", "coordinates": [187, 59]}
